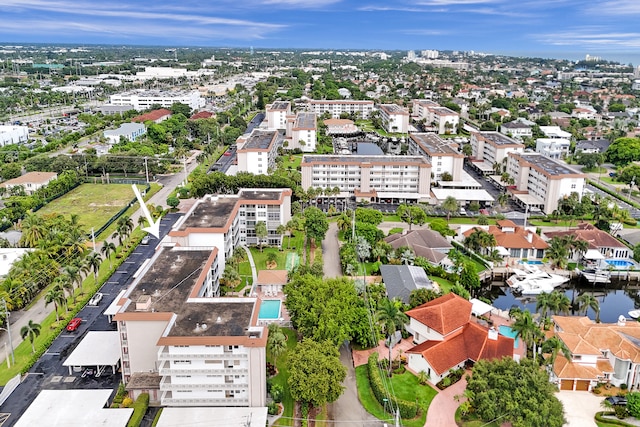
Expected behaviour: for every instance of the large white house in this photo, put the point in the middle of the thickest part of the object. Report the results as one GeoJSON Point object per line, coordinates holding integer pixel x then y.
{"type": "Point", "coordinates": [258, 151]}
{"type": "Point", "coordinates": [541, 181]}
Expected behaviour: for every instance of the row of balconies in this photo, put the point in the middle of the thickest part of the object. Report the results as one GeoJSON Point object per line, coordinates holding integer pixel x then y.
{"type": "Point", "coordinates": [168, 399]}
{"type": "Point", "coordinates": [167, 385]}
{"type": "Point", "coordinates": [165, 355]}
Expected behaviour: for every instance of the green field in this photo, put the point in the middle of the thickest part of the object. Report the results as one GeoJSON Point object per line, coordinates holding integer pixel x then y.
{"type": "Point", "coordinates": [94, 204]}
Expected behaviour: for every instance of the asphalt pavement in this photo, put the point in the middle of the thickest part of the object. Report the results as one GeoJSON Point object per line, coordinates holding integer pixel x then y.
{"type": "Point", "coordinates": [48, 373]}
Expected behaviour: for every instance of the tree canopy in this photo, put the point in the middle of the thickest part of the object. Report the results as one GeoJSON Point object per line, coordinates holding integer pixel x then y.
{"type": "Point", "coordinates": [623, 151]}
{"type": "Point", "coordinates": [315, 223]}
{"type": "Point", "coordinates": [519, 392]}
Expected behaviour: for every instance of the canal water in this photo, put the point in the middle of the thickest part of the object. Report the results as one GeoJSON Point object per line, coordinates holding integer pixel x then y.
{"type": "Point", "coordinates": [616, 298]}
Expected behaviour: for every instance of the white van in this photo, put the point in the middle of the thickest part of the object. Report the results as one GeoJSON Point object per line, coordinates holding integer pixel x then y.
{"type": "Point", "coordinates": [462, 211]}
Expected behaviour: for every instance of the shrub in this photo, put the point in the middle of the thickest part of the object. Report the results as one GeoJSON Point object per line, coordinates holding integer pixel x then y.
{"type": "Point", "coordinates": [127, 402]}
{"type": "Point", "coordinates": [277, 392]}
{"type": "Point", "coordinates": [621, 411]}
{"type": "Point", "coordinates": [633, 404]}
{"type": "Point", "coordinates": [623, 386]}
{"type": "Point", "coordinates": [272, 408]}
{"type": "Point", "coordinates": [139, 409]}
{"type": "Point", "coordinates": [407, 409]}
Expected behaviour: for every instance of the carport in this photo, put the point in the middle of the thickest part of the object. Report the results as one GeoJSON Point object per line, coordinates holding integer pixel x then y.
{"type": "Point", "coordinates": [99, 349]}
{"type": "Point", "coordinates": [114, 307]}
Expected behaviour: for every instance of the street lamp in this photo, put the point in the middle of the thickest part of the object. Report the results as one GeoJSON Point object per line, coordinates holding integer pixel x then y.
{"type": "Point", "coordinates": [8, 329]}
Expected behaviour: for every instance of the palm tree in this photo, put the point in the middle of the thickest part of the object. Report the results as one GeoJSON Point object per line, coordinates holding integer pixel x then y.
{"type": "Point", "coordinates": [588, 301]}
{"type": "Point", "coordinates": [277, 342]}
{"type": "Point", "coordinates": [407, 257]}
{"type": "Point", "coordinates": [555, 345]}
{"type": "Point", "coordinates": [526, 329]}
{"type": "Point", "coordinates": [281, 230]}
{"type": "Point", "coordinates": [450, 204]}
{"type": "Point", "coordinates": [33, 230]}
{"type": "Point", "coordinates": [558, 252]}
{"type": "Point", "coordinates": [108, 248]}
{"type": "Point", "coordinates": [55, 295]}
{"type": "Point", "coordinates": [93, 262]}
{"type": "Point", "coordinates": [390, 318]}
{"type": "Point", "coordinates": [560, 302]}
{"type": "Point", "coordinates": [544, 304]}
{"type": "Point", "coordinates": [73, 274]}
{"type": "Point", "coordinates": [32, 331]}
{"type": "Point", "coordinates": [344, 222]}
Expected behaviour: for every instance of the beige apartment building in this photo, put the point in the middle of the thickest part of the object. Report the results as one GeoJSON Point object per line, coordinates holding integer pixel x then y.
{"type": "Point", "coordinates": [362, 109]}
{"type": "Point", "coordinates": [441, 118]}
{"type": "Point", "coordinates": [395, 119]}
{"type": "Point", "coordinates": [489, 148]}
{"type": "Point", "coordinates": [443, 155]}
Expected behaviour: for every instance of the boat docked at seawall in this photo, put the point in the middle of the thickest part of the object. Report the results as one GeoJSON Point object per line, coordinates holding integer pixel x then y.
{"type": "Point", "coordinates": [534, 281]}
{"type": "Point", "coordinates": [634, 314]}
{"type": "Point", "coordinates": [594, 275]}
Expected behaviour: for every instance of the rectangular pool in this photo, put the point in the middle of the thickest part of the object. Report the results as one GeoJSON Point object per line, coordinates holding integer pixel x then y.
{"type": "Point", "coordinates": [508, 332]}
{"type": "Point", "coordinates": [269, 309]}
{"type": "Point", "coordinates": [620, 263]}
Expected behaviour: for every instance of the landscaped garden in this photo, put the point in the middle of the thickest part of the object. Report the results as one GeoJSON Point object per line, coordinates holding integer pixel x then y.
{"type": "Point", "coordinates": [280, 380]}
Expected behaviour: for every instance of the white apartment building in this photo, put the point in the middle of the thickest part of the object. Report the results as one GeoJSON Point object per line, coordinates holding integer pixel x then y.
{"type": "Point", "coordinates": [386, 179]}
{"type": "Point", "coordinates": [516, 130]}
{"type": "Point", "coordinates": [129, 131]}
{"type": "Point", "coordinates": [541, 181]}
{"type": "Point", "coordinates": [441, 118]}
{"type": "Point", "coordinates": [13, 135]}
{"type": "Point", "coordinates": [489, 148]}
{"type": "Point", "coordinates": [257, 152]}
{"type": "Point", "coordinates": [362, 109]}
{"type": "Point", "coordinates": [395, 119]}
{"type": "Point", "coordinates": [555, 132]}
{"type": "Point", "coordinates": [144, 99]}
{"type": "Point", "coordinates": [554, 148]}
{"type": "Point", "coordinates": [441, 154]}
{"type": "Point", "coordinates": [277, 114]}
{"type": "Point", "coordinates": [183, 345]}
{"type": "Point", "coordinates": [225, 222]}
{"type": "Point", "coordinates": [303, 132]}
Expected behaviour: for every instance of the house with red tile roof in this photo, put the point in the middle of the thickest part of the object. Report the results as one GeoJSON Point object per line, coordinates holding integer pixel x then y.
{"type": "Point", "coordinates": [155, 116]}
{"type": "Point", "coordinates": [600, 352]}
{"type": "Point", "coordinates": [447, 339]}
{"type": "Point", "coordinates": [518, 242]}
{"type": "Point", "coordinates": [598, 240]}
{"type": "Point", "coordinates": [202, 115]}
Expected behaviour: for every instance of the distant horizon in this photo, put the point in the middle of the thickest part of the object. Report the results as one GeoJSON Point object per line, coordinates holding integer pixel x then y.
{"type": "Point", "coordinates": [554, 28]}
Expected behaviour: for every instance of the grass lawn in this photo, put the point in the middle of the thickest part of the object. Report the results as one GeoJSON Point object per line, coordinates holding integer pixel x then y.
{"type": "Point", "coordinates": [260, 258]}
{"type": "Point", "coordinates": [109, 231]}
{"type": "Point", "coordinates": [392, 218]}
{"type": "Point", "coordinates": [283, 376]}
{"type": "Point", "coordinates": [292, 161]}
{"type": "Point", "coordinates": [406, 387]}
{"type": "Point", "coordinates": [445, 285]}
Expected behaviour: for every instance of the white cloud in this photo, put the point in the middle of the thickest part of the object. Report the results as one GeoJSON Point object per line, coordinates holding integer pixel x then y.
{"type": "Point", "coordinates": [615, 7]}
{"type": "Point", "coordinates": [454, 2]}
{"type": "Point", "coordinates": [426, 32]}
{"type": "Point", "coordinates": [591, 38]}
{"type": "Point", "coordinates": [302, 3]}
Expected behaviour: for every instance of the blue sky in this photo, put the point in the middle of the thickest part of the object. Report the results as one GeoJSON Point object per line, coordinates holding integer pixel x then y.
{"type": "Point", "coordinates": [599, 27]}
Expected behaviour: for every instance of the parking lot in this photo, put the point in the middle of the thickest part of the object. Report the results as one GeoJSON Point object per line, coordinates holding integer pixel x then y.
{"type": "Point", "coordinates": [48, 372]}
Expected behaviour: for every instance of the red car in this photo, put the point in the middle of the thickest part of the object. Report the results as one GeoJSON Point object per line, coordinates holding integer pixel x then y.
{"type": "Point", "coordinates": [74, 324]}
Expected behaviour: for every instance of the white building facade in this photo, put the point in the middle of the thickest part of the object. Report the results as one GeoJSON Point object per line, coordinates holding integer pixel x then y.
{"type": "Point", "coordinates": [14, 135]}
{"type": "Point", "coordinates": [144, 99]}
{"type": "Point", "coordinates": [395, 119]}
{"type": "Point", "coordinates": [129, 131]}
{"type": "Point", "coordinates": [443, 157]}
{"type": "Point", "coordinates": [362, 109]}
{"type": "Point", "coordinates": [257, 152]}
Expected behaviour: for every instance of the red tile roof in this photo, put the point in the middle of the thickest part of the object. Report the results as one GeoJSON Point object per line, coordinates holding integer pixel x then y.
{"type": "Point", "coordinates": [592, 235]}
{"type": "Point", "coordinates": [517, 239]}
{"type": "Point", "coordinates": [471, 343]}
{"type": "Point", "coordinates": [202, 115]}
{"type": "Point", "coordinates": [153, 115]}
{"type": "Point", "coordinates": [444, 315]}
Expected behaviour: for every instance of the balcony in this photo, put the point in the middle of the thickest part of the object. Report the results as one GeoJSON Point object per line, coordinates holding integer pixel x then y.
{"type": "Point", "coordinates": [168, 399]}
{"type": "Point", "coordinates": [167, 385]}
{"type": "Point", "coordinates": [163, 354]}
{"type": "Point", "coordinates": [166, 370]}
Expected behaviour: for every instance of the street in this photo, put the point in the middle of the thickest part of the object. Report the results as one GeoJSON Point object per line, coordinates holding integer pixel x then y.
{"type": "Point", "coordinates": [48, 373]}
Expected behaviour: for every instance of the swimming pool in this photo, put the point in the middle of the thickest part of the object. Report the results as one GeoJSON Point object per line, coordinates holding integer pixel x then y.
{"type": "Point", "coordinates": [269, 309]}
{"type": "Point", "coordinates": [532, 262]}
{"type": "Point", "coordinates": [620, 263]}
{"type": "Point", "coordinates": [508, 332]}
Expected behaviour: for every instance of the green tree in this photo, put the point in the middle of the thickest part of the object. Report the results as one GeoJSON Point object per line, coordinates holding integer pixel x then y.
{"type": "Point", "coordinates": [412, 214]}
{"type": "Point", "coordinates": [370, 216]}
{"type": "Point", "coordinates": [494, 385]}
{"type": "Point", "coordinates": [315, 224]}
{"type": "Point", "coordinates": [261, 233]}
{"type": "Point", "coordinates": [526, 329]}
{"type": "Point", "coordinates": [623, 151]}
{"type": "Point", "coordinates": [107, 249]}
{"type": "Point", "coordinates": [469, 278]}
{"type": "Point", "coordinates": [450, 205]}
{"type": "Point", "coordinates": [633, 404]}
{"type": "Point", "coordinates": [440, 225]}
{"type": "Point", "coordinates": [55, 295]}
{"type": "Point", "coordinates": [315, 373]}
{"type": "Point", "coordinates": [588, 301]}
{"type": "Point", "coordinates": [173, 202]}
{"type": "Point", "coordinates": [390, 318]}
{"type": "Point", "coordinates": [277, 341]}
{"type": "Point", "coordinates": [554, 346]}
{"type": "Point", "coordinates": [31, 330]}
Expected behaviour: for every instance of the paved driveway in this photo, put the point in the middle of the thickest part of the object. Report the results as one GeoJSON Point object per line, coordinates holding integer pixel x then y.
{"type": "Point", "coordinates": [331, 252]}
{"type": "Point", "coordinates": [442, 410]}
{"type": "Point", "coordinates": [580, 407]}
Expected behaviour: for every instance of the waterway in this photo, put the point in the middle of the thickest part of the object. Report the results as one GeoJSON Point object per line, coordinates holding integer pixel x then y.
{"type": "Point", "coordinates": [616, 298]}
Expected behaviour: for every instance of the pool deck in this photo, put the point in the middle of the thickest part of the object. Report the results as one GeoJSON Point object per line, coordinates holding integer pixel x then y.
{"type": "Point", "coordinates": [284, 314]}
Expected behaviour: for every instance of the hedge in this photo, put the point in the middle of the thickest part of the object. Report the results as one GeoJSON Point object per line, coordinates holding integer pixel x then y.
{"type": "Point", "coordinates": [616, 422]}
{"type": "Point", "coordinates": [407, 409]}
{"type": "Point", "coordinates": [139, 409]}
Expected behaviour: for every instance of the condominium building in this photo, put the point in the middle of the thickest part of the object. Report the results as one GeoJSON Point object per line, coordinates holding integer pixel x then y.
{"type": "Point", "coordinates": [395, 119]}
{"type": "Point", "coordinates": [184, 346]}
{"type": "Point", "coordinates": [489, 148]}
{"type": "Point", "coordinates": [362, 109]}
{"type": "Point", "coordinates": [541, 181]}
{"type": "Point", "coordinates": [144, 99]}
{"type": "Point", "coordinates": [277, 114]}
{"type": "Point", "coordinates": [13, 135]}
{"type": "Point", "coordinates": [556, 143]}
{"type": "Point", "coordinates": [443, 119]}
{"type": "Point", "coordinates": [226, 222]}
{"type": "Point", "coordinates": [372, 178]}
{"type": "Point", "coordinates": [257, 152]}
{"type": "Point", "coordinates": [303, 132]}
{"type": "Point", "coordinates": [443, 155]}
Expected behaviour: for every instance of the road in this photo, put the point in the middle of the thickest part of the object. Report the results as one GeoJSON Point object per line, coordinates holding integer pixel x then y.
{"type": "Point", "coordinates": [48, 373]}
{"type": "Point", "coordinates": [331, 253]}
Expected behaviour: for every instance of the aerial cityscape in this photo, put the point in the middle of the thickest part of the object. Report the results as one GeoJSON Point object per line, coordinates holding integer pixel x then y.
{"type": "Point", "coordinates": [320, 213]}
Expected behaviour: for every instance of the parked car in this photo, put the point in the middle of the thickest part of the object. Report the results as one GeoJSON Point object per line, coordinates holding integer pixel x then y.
{"type": "Point", "coordinates": [616, 400]}
{"type": "Point", "coordinates": [95, 300]}
{"type": "Point", "coordinates": [74, 324]}
{"type": "Point", "coordinates": [145, 240]}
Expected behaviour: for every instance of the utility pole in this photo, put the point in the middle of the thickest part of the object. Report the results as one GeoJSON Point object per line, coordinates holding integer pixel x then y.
{"type": "Point", "coordinates": [6, 312]}
{"type": "Point", "coordinates": [146, 169]}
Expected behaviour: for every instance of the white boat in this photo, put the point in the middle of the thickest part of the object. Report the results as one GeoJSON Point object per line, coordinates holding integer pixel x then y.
{"type": "Point", "coordinates": [595, 275]}
{"type": "Point", "coordinates": [634, 314]}
{"type": "Point", "coordinates": [534, 282]}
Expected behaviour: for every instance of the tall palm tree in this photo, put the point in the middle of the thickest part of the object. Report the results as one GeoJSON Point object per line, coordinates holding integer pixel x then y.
{"type": "Point", "coordinates": [276, 343]}
{"type": "Point", "coordinates": [73, 275]}
{"type": "Point", "coordinates": [588, 301]}
{"type": "Point", "coordinates": [390, 318]}
{"type": "Point", "coordinates": [108, 248]}
{"type": "Point", "coordinates": [560, 302]}
{"type": "Point", "coordinates": [527, 329]}
{"type": "Point", "coordinates": [344, 222]}
{"type": "Point", "coordinates": [555, 346]}
{"type": "Point", "coordinates": [33, 230]}
{"type": "Point", "coordinates": [31, 330]}
{"type": "Point", "coordinates": [544, 304]}
{"type": "Point", "coordinates": [93, 262]}
{"type": "Point", "coordinates": [54, 295]}
{"type": "Point", "coordinates": [450, 205]}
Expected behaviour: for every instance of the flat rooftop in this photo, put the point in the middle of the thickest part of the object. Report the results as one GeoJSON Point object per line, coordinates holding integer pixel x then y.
{"type": "Point", "coordinates": [305, 121]}
{"type": "Point", "coordinates": [444, 111]}
{"type": "Point", "coordinates": [229, 417]}
{"type": "Point", "coordinates": [393, 109]}
{"type": "Point", "coordinates": [260, 139]}
{"type": "Point", "coordinates": [499, 139]}
{"type": "Point", "coordinates": [549, 165]}
{"type": "Point", "coordinates": [309, 159]}
{"type": "Point", "coordinates": [433, 144]}
{"type": "Point", "coordinates": [280, 105]}
{"type": "Point", "coordinates": [260, 195]}
{"type": "Point", "coordinates": [167, 286]}
{"type": "Point", "coordinates": [211, 212]}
